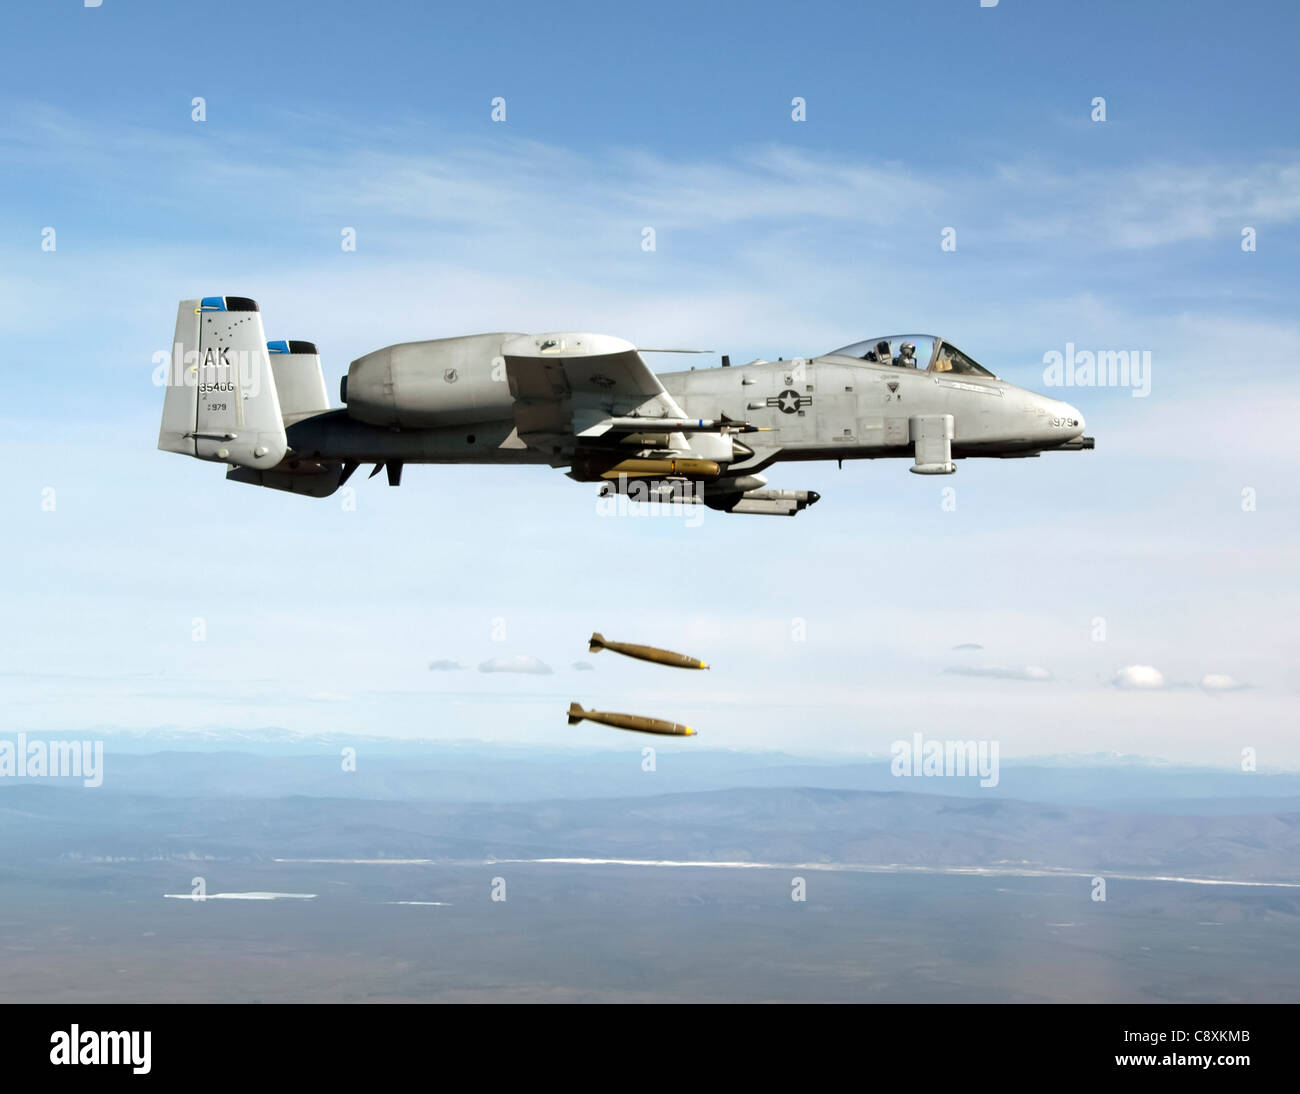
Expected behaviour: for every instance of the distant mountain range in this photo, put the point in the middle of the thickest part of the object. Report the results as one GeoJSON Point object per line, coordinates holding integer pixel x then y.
{"type": "Point", "coordinates": [761, 825]}
{"type": "Point", "coordinates": [273, 762]}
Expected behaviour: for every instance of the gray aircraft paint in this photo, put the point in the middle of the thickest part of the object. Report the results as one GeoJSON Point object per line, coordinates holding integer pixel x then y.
{"type": "Point", "coordinates": [586, 402]}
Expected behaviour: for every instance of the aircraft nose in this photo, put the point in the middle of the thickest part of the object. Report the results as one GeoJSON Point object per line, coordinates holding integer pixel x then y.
{"type": "Point", "coordinates": [1064, 427]}
{"type": "Point", "coordinates": [1065, 419]}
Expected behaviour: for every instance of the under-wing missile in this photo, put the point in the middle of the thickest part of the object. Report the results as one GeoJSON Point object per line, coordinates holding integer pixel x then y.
{"type": "Point", "coordinates": [636, 423]}
{"type": "Point", "coordinates": [628, 721]}
{"type": "Point", "coordinates": [646, 653]}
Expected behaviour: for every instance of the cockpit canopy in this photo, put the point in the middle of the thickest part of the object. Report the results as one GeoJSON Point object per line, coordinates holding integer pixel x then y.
{"type": "Point", "coordinates": [921, 351]}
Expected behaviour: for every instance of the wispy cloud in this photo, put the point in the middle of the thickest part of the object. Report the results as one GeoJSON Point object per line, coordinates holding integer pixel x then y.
{"type": "Point", "coordinates": [1034, 673]}
{"type": "Point", "coordinates": [520, 663]}
{"type": "Point", "coordinates": [1152, 204]}
{"type": "Point", "coordinates": [477, 188]}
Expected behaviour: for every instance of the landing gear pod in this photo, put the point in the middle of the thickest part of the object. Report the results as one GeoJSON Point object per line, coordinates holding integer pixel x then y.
{"type": "Point", "coordinates": [932, 435]}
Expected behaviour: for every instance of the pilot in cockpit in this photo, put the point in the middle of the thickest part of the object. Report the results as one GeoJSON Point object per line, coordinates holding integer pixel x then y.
{"type": "Point", "coordinates": [906, 355]}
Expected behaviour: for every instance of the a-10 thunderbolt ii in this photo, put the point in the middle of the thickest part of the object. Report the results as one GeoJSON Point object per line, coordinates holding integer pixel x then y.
{"type": "Point", "coordinates": [588, 403]}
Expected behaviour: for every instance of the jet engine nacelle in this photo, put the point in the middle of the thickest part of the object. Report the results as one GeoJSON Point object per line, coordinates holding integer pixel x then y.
{"type": "Point", "coordinates": [422, 385]}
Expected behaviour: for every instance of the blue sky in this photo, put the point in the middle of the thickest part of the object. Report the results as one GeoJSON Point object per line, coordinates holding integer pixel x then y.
{"type": "Point", "coordinates": [774, 238]}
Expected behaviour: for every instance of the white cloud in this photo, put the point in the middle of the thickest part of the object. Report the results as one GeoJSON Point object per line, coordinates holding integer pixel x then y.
{"type": "Point", "coordinates": [1214, 681]}
{"type": "Point", "coordinates": [520, 663]}
{"type": "Point", "coordinates": [1140, 677]}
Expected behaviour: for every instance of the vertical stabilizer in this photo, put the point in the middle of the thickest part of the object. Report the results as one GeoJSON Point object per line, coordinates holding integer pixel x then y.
{"type": "Point", "coordinates": [299, 380]}
{"type": "Point", "coordinates": [221, 402]}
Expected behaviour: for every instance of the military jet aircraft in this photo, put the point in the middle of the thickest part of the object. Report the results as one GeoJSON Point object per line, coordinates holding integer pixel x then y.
{"type": "Point", "coordinates": [589, 403]}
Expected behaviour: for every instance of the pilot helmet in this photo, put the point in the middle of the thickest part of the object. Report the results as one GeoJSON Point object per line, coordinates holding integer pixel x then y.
{"type": "Point", "coordinates": [908, 349]}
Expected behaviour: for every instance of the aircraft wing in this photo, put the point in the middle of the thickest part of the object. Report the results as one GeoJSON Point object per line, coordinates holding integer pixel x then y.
{"type": "Point", "coordinates": [567, 386]}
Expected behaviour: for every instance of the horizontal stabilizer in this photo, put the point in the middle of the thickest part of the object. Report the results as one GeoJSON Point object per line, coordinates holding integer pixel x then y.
{"type": "Point", "coordinates": [310, 478]}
